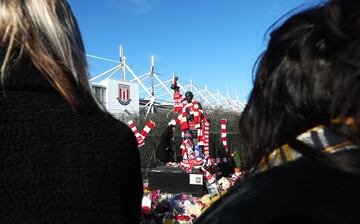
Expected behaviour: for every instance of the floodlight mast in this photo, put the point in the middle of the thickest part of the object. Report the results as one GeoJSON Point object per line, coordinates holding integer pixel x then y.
{"type": "Point", "coordinates": [152, 97]}
{"type": "Point", "coordinates": [123, 63]}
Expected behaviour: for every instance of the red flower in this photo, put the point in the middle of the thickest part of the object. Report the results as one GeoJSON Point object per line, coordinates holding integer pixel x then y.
{"type": "Point", "coordinates": [146, 209]}
{"type": "Point", "coordinates": [186, 218]}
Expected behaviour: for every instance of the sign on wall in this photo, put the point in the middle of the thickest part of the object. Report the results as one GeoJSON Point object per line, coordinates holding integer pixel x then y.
{"type": "Point", "coordinates": [121, 96]}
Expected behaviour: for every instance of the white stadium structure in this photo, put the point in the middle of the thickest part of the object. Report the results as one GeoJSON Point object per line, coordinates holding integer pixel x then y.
{"type": "Point", "coordinates": [147, 91]}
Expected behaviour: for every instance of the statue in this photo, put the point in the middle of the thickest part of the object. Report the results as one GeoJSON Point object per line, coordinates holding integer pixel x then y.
{"type": "Point", "coordinates": [193, 113]}
{"type": "Point", "coordinates": [192, 119]}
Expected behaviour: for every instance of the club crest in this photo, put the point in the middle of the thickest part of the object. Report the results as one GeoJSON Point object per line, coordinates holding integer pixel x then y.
{"type": "Point", "coordinates": [124, 94]}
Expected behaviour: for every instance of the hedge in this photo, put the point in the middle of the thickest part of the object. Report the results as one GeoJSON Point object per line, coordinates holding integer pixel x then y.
{"type": "Point", "coordinates": [161, 120]}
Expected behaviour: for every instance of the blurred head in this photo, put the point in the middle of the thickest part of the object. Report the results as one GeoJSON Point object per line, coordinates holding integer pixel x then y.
{"type": "Point", "coordinates": [172, 129]}
{"type": "Point", "coordinates": [46, 33]}
{"type": "Point", "coordinates": [189, 96]}
{"type": "Point", "coordinates": [308, 75]}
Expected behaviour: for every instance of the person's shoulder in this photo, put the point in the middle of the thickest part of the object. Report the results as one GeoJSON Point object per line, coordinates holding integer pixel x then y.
{"type": "Point", "coordinates": [110, 127]}
{"type": "Point", "coordinates": [291, 190]}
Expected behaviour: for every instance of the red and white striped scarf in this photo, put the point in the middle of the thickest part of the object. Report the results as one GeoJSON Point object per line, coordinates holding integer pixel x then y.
{"type": "Point", "coordinates": [194, 109]}
{"type": "Point", "coordinates": [187, 151]}
{"type": "Point", "coordinates": [138, 136]}
{"type": "Point", "coordinates": [149, 125]}
{"type": "Point", "coordinates": [206, 132]}
{"type": "Point", "coordinates": [144, 133]}
{"type": "Point", "coordinates": [224, 135]}
{"type": "Point", "coordinates": [178, 105]}
{"type": "Point", "coordinates": [210, 178]}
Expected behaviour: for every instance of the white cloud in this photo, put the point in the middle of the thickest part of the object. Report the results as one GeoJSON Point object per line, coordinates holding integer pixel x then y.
{"type": "Point", "coordinates": [141, 6]}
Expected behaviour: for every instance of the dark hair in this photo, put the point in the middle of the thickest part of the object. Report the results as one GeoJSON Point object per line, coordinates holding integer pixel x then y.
{"type": "Point", "coordinates": [308, 75]}
{"type": "Point", "coordinates": [189, 94]}
{"type": "Point", "coordinates": [167, 133]}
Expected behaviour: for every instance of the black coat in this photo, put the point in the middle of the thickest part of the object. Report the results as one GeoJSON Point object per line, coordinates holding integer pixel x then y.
{"type": "Point", "coordinates": [165, 150]}
{"type": "Point", "coordinates": [58, 166]}
{"type": "Point", "coordinates": [298, 192]}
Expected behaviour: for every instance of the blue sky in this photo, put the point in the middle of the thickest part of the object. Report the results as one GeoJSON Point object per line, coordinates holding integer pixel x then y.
{"type": "Point", "coordinates": [212, 42]}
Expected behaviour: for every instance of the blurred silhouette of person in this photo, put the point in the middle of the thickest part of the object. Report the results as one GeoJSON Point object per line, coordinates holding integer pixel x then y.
{"type": "Point", "coordinates": [63, 158]}
{"type": "Point", "coordinates": [165, 151]}
{"type": "Point", "coordinates": [301, 124]}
